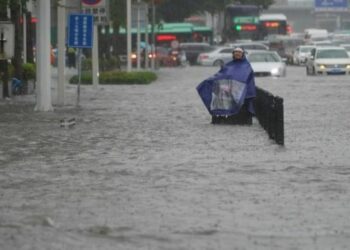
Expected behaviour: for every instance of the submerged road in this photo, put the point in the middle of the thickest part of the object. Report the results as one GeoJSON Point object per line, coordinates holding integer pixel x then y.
{"type": "Point", "coordinates": [143, 168]}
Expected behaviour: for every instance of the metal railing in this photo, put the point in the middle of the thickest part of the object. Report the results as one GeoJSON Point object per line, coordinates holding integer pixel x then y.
{"type": "Point", "coordinates": [270, 114]}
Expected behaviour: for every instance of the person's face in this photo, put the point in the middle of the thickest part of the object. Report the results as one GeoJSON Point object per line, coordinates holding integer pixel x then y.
{"type": "Point", "coordinates": [237, 55]}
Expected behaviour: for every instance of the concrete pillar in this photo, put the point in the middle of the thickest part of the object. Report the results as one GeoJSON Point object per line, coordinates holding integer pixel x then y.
{"type": "Point", "coordinates": [61, 46]}
{"type": "Point", "coordinates": [43, 65]}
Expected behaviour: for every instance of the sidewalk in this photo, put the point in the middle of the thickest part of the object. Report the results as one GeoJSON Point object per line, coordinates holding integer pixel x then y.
{"type": "Point", "coordinates": [143, 168]}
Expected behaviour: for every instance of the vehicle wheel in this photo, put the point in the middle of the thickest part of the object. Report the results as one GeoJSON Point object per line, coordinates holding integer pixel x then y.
{"type": "Point", "coordinates": [218, 63]}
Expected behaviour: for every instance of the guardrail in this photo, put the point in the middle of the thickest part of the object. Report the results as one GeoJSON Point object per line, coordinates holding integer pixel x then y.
{"type": "Point", "coordinates": [270, 114]}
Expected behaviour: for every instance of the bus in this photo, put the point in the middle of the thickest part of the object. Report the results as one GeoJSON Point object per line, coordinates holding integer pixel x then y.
{"type": "Point", "coordinates": [272, 24]}
{"type": "Point", "coordinates": [241, 22]}
{"type": "Point", "coordinates": [166, 33]}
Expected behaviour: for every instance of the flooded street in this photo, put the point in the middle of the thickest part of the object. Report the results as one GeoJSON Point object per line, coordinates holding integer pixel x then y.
{"type": "Point", "coordinates": [143, 168]}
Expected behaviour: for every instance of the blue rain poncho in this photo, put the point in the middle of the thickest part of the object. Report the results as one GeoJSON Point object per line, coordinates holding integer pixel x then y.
{"type": "Point", "coordinates": [225, 93]}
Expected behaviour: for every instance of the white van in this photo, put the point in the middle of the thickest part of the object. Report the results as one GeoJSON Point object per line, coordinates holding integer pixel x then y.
{"type": "Point", "coordinates": [315, 34]}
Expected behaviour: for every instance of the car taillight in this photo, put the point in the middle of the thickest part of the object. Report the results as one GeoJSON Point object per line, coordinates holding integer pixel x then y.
{"type": "Point", "coordinates": [133, 56]}
{"type": "Point", "coordinates": [203, 56]}
{"type": "Point", "coordinates": [152, 56]}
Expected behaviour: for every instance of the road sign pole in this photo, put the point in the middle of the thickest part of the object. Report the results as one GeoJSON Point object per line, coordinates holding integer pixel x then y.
{"type": "Point", "coordinates": [95, 73]}
{"type": "Point", "coordinates": [82, 35]}
{"type": "Point", "coordinates": [79, 76]}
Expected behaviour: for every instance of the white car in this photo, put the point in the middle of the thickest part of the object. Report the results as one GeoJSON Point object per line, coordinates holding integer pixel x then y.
{"type": "Point", "coordinates": [301, 53]}
{"type": "Point", "coordinates": [266, 63]}
{"type": "Point", "coordinates": [328, 60]}
{"type": "Point", "coordinates": [217, 57]}
{"type": "Point", "coordinates": [346, 46]}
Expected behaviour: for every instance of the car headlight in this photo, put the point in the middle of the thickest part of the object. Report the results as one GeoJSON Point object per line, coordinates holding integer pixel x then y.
{"type": "Point", "coordinates": [348, 66]}
{"type": "Point", "coordinates": [274, 71]}
{"type": "Point", "coordinates": [321, 66]}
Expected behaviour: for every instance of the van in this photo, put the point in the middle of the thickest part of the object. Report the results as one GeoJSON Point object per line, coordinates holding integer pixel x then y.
{"type": "Point", "coordinates": [315, 34]}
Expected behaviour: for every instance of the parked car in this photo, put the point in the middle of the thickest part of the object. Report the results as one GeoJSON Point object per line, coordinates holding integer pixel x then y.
{"type": "Point", "coordinates": [266, 63]}
{"type": "Point", "coordinates": [301, 53]}
{"type": "Point", "coordinates": [217, 57]}
{"type": "Point", "coordinates": [192, 50]}
{"type": "Point", "coordinates": [321, 43]}
{"type": "Point", "coordinates": [249, 45]}
{"type": "Point", "coordinates": [285, 45]}
{"type": "Point", "coordinates": [328, 60]}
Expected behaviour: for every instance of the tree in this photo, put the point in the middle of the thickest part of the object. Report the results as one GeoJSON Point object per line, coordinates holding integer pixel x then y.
{"type": "Point", "coordinates": [177, 11]}
{"type": "Point", "coordinates": [16, 11]}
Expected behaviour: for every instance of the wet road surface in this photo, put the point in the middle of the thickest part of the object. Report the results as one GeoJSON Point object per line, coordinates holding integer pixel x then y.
{"type": "Point", "coordinates": [143, 168]}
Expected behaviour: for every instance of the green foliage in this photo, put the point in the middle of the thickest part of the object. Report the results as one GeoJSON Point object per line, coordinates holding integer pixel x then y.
{"type": "Point", "coordinates": [104, 64]}
{"type": "Point", "coordinates": [117, 77]}
{"type": "Point", "coordinates": [86, 64]}
{"type": "Point", "coordinates": [109, 63]}
{"type": "Point", "coordinates": [29, 71]}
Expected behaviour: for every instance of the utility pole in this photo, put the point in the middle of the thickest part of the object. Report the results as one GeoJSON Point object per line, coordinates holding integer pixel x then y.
{"type": "Point", "coordinates": [138, 36]}
{"type": "Point", "coordinates": [43, 67]}
{"type": "Point", "coordinates": [24, 18]}
{"type": "Point", "coordinates": [153, 34]}
{"type": "Point", "coordinates": [128, 35]}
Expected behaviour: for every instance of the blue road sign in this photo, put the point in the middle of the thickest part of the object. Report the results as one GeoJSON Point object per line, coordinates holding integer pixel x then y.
{"type": "Point", "coordinates": [80, 30]}
{"type": "Point", "coordinates": [331, 4]}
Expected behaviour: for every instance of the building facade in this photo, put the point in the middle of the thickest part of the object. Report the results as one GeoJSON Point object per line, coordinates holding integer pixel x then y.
{"type": "Point", "coordinates": [303, 14]}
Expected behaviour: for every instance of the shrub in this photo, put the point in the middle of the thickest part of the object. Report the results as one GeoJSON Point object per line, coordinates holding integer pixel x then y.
{"type": "Point", "coordinates": [86, 64]}
{"type": "Point", "coordinates": [109, 64]}
{"type": "Point", "coordinates": [117, 77]}
{"type": "Point", "coordinates": [29, 71]}
{"type": "Point", "coordinates": [104, 64]}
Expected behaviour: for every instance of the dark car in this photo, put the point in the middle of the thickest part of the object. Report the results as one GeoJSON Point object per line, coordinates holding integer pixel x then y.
{"type": "Point", "coordinates": [192, 50]}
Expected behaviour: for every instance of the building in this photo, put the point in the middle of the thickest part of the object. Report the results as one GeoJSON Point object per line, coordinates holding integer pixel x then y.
{"type": "Point", "coordinates": [303, 14]}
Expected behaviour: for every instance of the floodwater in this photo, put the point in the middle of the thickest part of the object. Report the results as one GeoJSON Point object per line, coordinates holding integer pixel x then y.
{"type": "Point", "coordinates": [143, 168]}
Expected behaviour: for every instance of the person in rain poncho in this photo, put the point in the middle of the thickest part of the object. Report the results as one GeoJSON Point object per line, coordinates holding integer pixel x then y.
{"type": "Point", "coordinates": [231, 88]}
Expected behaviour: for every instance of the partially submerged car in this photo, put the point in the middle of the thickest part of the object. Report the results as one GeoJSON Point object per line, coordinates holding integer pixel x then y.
{"type": "Point", "coordinates": [266, 63]}
{"type": "Point", "coordinates": [217, 57]}
{"type": "Point", "coordinates": [328, 61]}
{"type": "Point", "coordinates": [301, 53]}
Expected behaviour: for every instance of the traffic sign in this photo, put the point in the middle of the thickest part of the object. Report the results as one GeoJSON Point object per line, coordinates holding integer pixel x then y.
{"type": "Point", "coordinates": [80, 30]}
{"type": "Point", "coordinates": [99, 9]}
{"type": "Point", "coordinates": [331, 5]}
{"type": "Point", "coordinates": [91, 2]}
